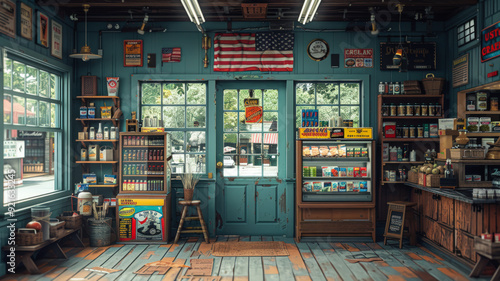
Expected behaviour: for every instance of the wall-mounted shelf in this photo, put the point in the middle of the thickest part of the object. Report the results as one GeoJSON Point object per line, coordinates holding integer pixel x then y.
{"type": "Point", "coordinates": [84, 142]}
{"type": "Point", "coordinates": [116, 100]}
{"type": "Point", "coordinates": [115, 121]}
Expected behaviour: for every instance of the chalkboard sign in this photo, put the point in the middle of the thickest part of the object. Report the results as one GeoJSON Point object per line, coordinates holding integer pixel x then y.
{"type": "Point", "coordinates": [395, 223]}
{"type": "Point", "coordinates": [421, 56]}
{"type": "Point", "coordinates": [394, 226]}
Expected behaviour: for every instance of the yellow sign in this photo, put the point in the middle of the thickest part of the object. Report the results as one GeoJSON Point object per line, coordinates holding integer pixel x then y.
{"type": "Point", "coordinates": [358, 133]}
{"type": "Point", "coordinates": [141, 202]}
{"type": "Point", "coordinates": [152, 129]}
{"type": "Point", "coordinates": [251, 102]}
{"type": "Point", "coordinates": [126, 212]}
{"type": "Point", "coordinates": [314, 133]}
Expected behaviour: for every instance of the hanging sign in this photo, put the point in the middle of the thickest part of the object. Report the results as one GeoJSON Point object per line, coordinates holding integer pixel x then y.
{"type": "Point", "coordinates": [26, 21]}
{"type": "Point", "coordinates": [253, 112]}
{"type": "Point", "coordinates": [358, 58]}
{"type": "Point", "coordinates": [56, 42]}
{"type": "Point", "coordinates": [43, 29]}
{"type": "Point", "coordinates": [490, 42]}
{"type": "Point", "coordinates": [460, 71]}
{"type": "Point", "coordinates": [8, 18]}
{"type": "Point", "coordinates": [421, 56]}
{"type": "Point", "coordinates": [132, 53]}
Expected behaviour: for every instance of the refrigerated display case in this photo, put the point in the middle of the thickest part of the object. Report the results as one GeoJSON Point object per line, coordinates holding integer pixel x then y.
{"type": "Point", "coordinates": [335, 187]}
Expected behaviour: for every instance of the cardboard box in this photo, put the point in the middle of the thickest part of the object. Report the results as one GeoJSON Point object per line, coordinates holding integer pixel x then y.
{"type": "Point", "coordinates": [83, 135]}
{"type": "Point", "coordinates": [447, 124]}
{"type": "Point", "coordinates": [390, 130]}
{"type": "Point", "coordinates": [93, 152]}
{"type": "Point", "coordinates": [106, 153]}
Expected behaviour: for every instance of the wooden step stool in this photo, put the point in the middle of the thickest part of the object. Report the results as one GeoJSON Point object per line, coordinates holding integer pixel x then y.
{"type": "Point", "coordinates": [200, 229]}
{"type": "Point", "coordinates": [399, 214]}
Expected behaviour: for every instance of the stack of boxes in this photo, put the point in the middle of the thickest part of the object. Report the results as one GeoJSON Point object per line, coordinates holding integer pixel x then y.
{"type": "Point", "coordinates": [310, 118]}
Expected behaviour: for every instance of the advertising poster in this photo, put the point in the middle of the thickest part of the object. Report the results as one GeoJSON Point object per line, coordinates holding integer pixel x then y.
{"type": "Point", "coordinates": [358, 58]}
{"type": "Point", "coordinates": [132, 53]}
{"type": "Point", "coordinates": [56, 42]}
{"type": "Point", "coordinates": [421, 56]}
{"type": "Point", "coordinates": [8, 18]}
{"type": "Point", "coordinates": [253, 112]}
{"type": "Point", "coordinates": [26, 21]}
{"type": "Point", "coordinates": [490, 42]}
{"type": "Point", "coordinates": [141, 219]}
{"type": "Point", "coordinates": [42, 29]}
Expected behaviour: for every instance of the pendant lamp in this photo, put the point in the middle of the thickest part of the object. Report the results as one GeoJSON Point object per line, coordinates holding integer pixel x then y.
{"type": "Point", "coordinates": [85, 53]}
{"type": "Point", "coordinates": [398, 56]}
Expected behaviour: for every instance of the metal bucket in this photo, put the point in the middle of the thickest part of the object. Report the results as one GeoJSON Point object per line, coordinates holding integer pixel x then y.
{"type": "Point", "coordinates": [100, 232]}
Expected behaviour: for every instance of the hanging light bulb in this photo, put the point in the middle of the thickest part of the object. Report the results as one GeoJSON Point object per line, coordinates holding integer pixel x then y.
{"type": "Point", "coordinates": [85, 52]}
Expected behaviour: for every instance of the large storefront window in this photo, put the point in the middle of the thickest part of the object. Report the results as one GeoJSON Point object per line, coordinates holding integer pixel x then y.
{"type": "Point", "coordinates": [182, 109]}
{"type": "Point", "coordinates": [31, 115]}
{"type": "Point", "coordinates": [331, 99]}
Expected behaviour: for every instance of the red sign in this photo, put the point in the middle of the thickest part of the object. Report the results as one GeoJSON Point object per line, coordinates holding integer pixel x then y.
{"type": "Point", "coordinates": [492, 74]}
{"type": "Point", "coordinates": [360, 58]}
{"type": "Point", "coordinates": [490, 42]}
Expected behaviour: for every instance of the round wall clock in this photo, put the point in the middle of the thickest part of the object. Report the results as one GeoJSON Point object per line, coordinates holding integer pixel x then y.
{"type": "Point", "coordinates": [318, 49]}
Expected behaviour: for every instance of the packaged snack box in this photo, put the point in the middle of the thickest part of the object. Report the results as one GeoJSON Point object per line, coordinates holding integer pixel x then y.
{"type": "Point", "coordinates": [317, 186]}
{"type": "Point", "coordinates": [363, 186]}
{"type": "Point", "coordinates": [350, 171]}
{"type": "Point", "coordinates": [334, 151]}
{"type": "Point", "coordinates": [335, 171]}
{"type": "Point", "coordinates": [363, 171]}
{"type": "Point", "coordinates": [335, 186]}
{"type": "Point", "coordinates": [326, 171]}
{"type": "Point", "coordinates": [342, 150]}
{"type": "Point", "coordinates": [306, 151]}
{"type": "Point", "coordinates": [308, 186]}
{"type": "Point", "coordinates": [323, 151]}
{"type": "Point", "coordinates": [343, 172]}
{"type": "Point", "coordinates": [349, 186]}
{"type": "Point", "coordinates": [357, 172]}
{"type": "Point", "coordinates": [356, 187]}
{"type": "Point", "coordinates": [342, 186]}
{"type": "Point", "coordinates": [326, 186]}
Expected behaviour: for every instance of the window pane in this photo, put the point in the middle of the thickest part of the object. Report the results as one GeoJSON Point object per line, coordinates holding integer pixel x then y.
{"type": "Point", "coordinates": [35, 174]}
{"type": "Point", "coordinates": [177, 163]}
{"type": "Point", "coordinates": [466, 25]}
{"type": "Point", "coordinates": [177, 141]}
{"type": "Point", "coordinates": [271, 99]}
{"type": "Point", "coordinates": [54, 120]}
{"type": "Point", "coordinates": [195, 116]}
{"type": "Point", "coordinates": [18, 77]}
{"type": "Point", "coordinates": [44, 112]}
{"type": "Point", "coordinates": [328, 112]}
{"type": "Point", "coordinates": [150, 112]}
{"type": "Point", "coordinates": [18, 108]}
{"type": "Point", "coordinates": [230, 121]}
{"type": "Point", "coordinates": [327, 93]}
{"type": "Point", "coordinates": [253, 168]}
{"type": "Point", "coordinates": [350, 113]}
{"type": "Point", "coordinates": [31, 112]}
{"type": "Point", "coordinates": [230, 166]}
{"type": "Point", "coordinates": [7, 73]}
{"type": "Point", "coordinates": [7, 109]}
{"type": "Point", "coordinates": [151, 93]}
{"type": "Point", "coordinates": [173, 93]}
{"type": "Point", "coordinates": [472, 29]}
{"type": "Point", "coordinates": [253, 142]}
{"type": "Point", "coordinates": [461, 42]}
{"type": "Point", "coordinates": [271, 166]}
{"type": "Point", "coordinates": [230, 99]}
{"type": "Point", "coordinates": [304, 93]}
{"type": "Point", "coordinates": [53, 86]}
{"type": "Point", "coordinates": [196, 141]}
{"type": "Point", "coordinates": [249, 127]}
{"type": "Point", "coordinates": [195, 163]}
{"type": "Point", "coordinates": [349, 93]}
{"type": "Point", "coordinates": [270, 143]}
{"type": "Point", "coordinates": [230, 144]}
{"type": "Point", "coordinates": [31, 80]}
{"type": "Point", "coordinates": [245, 94]}
{"type": "Point", "coordinates": [173, 116]}
{"type": "Point", "coordinates": [298, 115]}
{"type": "Point", "coordinates": [196, 93]}
{"type": "Point", "coordinates": [270, 121]}
{"type": "Point", "coordinates": [44, 84]}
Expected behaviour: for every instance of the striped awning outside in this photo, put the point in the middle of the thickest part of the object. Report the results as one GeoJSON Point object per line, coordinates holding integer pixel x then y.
{"type": "Point", "coordinates": [268, 138]}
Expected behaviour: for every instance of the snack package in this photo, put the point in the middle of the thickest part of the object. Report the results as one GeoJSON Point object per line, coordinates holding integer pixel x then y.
{"type": "Point", "coordinates": [89, 178]}
{"type": "Point", "coordinates": [350, 172]}
{"type": "Point", "coordinates": [314, 151]}
{"type": "Point", "coordinates": [342, 186]}
{"type": "Point", "coordinates": [317, 186]}
{"type": "Point", "coordinates": [343, 172]}
{"type": "Point", "coordinates": [113, 85]}
{"type": "Point", "coordinates": [363, 186]}
{"type": "Point", "coordinates": [335, 186]}
{"type": "Point", "coordinates": [356, 172]}
{"type": "Point", "coordinates": [349, 186]}
{"type": "Point", "coordinates": [326, 171]}
{"type": "Point", "coordinates": [105, 111]}
{"type": "Point", "coordinates": [306, 151]}
{"type": "Point", "coordinates": [308, 186]}
{"type": "Point", "coordinates": [323, 151]}
{"type": "Point", "coordinates": [357, 152]}
{"type": "Point", "coordinates": [364, 152]}
{"type": "Point", "coordinates": [349, 152]}
{"type": "Point", "coordinates": [110, 179]}
{"type": "Point", "coordinates": [335, 171]}
{"type": "Point", "coordinates": [356, 187]}
{"type": "Point", "coordinates": [312, 171]}
{"type": "Point", "coordinates": [306, 171]}
{"type": "Point", "coordinates": [334, 151]}
{"type": "Point", "coordinates": [363, 171]}
{"type": "Point", "coordinates": [342, 150]}
{"type": "Point", "coordinates": [326, 186]}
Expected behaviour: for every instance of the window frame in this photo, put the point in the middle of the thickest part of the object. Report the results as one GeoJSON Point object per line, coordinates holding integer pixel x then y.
{"type": "Point", "coordinates": [463, 32]}
{"type": "Point", "coordinates": [338, 105]}
{"type": "Point", "coordinates": [62, 180]}
{"type": "Point", "coordinates": [186, 129]}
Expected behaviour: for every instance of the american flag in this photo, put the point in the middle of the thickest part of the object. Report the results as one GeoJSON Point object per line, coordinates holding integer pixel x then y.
{"type": "Point", "coordinates": [267, 51]}
{"type": "Point", "coordinates": [171, 54]}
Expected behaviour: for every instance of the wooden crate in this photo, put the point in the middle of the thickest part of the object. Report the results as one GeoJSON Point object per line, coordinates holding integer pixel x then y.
{"type": "Point", "coordinates": [487, 247]}
{"type": "Point", "coordinates": [422, 179]}
{"type": "Point", "coordinates": [433, 180]}
{"type": "Point", "coordinates": [56, 228]}
{"type": "Point", "coordinates": [72, 222]}
{"type": "Point", "coordinates": [467, 153]}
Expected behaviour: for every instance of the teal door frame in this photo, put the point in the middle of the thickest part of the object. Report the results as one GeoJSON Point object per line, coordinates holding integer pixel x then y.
{"type": "Point", "coordinates": [254, 205]}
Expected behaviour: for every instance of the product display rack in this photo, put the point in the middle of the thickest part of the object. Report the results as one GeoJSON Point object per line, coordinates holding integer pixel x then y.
{"type": "Point", "coordinates": [420, 145]}
{"type": "Point", "coordinates": [338, 213]}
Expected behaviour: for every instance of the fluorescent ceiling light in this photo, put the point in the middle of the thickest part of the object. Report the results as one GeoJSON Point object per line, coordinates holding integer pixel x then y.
{"type": "Point", "coordinates": [308, 11]}
{"type": "Point", "coordinates": [85, 53]}
{"type": "Point", "coordinates": [193, 10]}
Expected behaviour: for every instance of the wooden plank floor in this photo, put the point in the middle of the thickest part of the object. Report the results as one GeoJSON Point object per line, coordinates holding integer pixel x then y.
{"type": "Point", "coordinates": [316, 259]}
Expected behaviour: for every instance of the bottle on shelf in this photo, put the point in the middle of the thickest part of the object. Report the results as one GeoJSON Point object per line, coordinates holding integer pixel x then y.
{"type": "Point", "coordinates": [92, 133]}
{"type": "Point", "coordinates": [99, 135]}
{"type": "Point", "coordinates": [413, 156]}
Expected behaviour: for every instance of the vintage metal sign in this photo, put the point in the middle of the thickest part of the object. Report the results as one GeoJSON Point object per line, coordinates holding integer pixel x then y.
{"type": "Point", "coordinates": [358, 133]}
{"type": "Point", "coordinates": [421, 56]}
{"type": "Point", "coordinates": [490, 42]}
{"type": "Point", "coordinates": [358, 58]}
{"type": "Point", "coordinates": [460, 71]}
{"type": "Point", "coordinates": [314, 133]}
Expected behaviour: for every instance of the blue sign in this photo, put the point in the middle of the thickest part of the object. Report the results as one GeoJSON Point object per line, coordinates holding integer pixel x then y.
{"type": "Point", "coordinates": [490, 42]}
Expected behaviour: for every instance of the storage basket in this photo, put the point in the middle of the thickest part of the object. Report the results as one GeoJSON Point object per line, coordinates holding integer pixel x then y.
{"type": "Point", "coordinates": [433, 180]}
{"type": "Point", "coordinates": [467, 153]}
{"type": "Point", "coordinates": [56, 228]}
{"type": "Point", "coordinates": [413, 176]}
{"type": "Point", "coordinates": [72, 222]}
{"type": "Point", "coordinates": [412, 87]}
{"type": "Point", "coordinates": [28, 239]}
{"type": "Point", "coordinates": [432, 85]}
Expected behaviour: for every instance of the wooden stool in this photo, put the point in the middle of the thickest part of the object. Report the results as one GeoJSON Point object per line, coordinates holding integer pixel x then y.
{"type": "Point", "coordinates": [202, 229]}
{"type": "Point", "coordinates": [397, 218]}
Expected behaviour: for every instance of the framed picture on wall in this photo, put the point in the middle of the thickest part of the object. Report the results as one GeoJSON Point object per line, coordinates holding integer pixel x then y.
{"type": "Point", "coordinates": [42, 29]}
{"type": "Point", "coordinates": [26, 21]}
{"type": "Point", "coordinates": [56, 40]}
{"type": "Point", "coordinates": [8, 18]}
{"type": "Point", "coordinates": [132, 53]}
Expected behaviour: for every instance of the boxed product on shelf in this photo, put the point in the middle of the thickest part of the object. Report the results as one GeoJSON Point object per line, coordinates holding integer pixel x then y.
{"type": "Point", "coordinates": [334, 151]}
{"type": "Point", "coordinates": [473, 124]}
{"type": "Point", "coordinates": [327, 186]}
{"type": "Point", "coordinates": [314, 151]}
{"type": "Point", "coordinates": [106, 153]}
{"type": "Point", "coordinates": [105, 111]}
{"type": "Point", "coordinates": [385, 152]}
{"type": "Point", "coordinates": [433, 130]}
{"type": "Point", "coordinates": [356, 172]}
{"type": "Point", "coordinates": [342, 150]}
{"type": "Point", "coordinates": [447, 124]}
{"type": "Point", "coordinates": [356, 187]}
{"type": "Point", "coordinates": [306, 151]}
{"type": "Point", "coordinates": [83, 135]}
{"type": "Point", "coordinates": [335, 186]}
{"type": "Point", "coordinates": [363, 186]}
{"type": "Point", "coordinates": [326, 171]}
{"type": "Point", "coordinates": [349, 186]}
{"type": "Point", "coordinates": [363, 171]}
{"type": "Point", "coordinates": [323, 151]}
{"type": "Point", "coordinates": [79, 187]}
{"type": "Point", "coordinates": [110, 179]}
{"type": "Point", "coordinates": [485, 124]}
{"type": "Point", "coordinates": [342, 186]}
{"type": "Point", "coordinates": [93, 152]}
{"type": "Point", "coordinates": [89, 178]}
{"type": "Point", "coordinates": [390, 129]}
{"type": "Point", "coordinates": [308, 186]}
{"type": "Point", "coordinates": [317, 186]}
{"type": "Point", "coordinates": [343, 172]}
{"type": "Point", "coordinates": [83, 154]}
{"type": "Point", "coordinates": [350, 171]}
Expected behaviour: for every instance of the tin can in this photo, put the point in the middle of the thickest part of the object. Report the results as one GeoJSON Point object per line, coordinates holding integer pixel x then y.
{"type": "Point", "coordinates": [381, 88]}
{"type": "Point", "coordinates": [351, 123]}
{"type": "Point", "coordinates": [391, 88]}
{"type": "Point", "coordinates": [401, 109]}
{"type": "Point", "coordinates": [406, 132]}
{"type": "Point", "coordinates": [439, 111]}
{"type": "Point", "coordinates": [416, 109]}
{"type": "Point", "coordinates": [493, 103]}
{"type": "Point", "coordinates": [409, 109]}
{"type": "Point", "coordinates": [385, 110]}
{"type": "Point", "coordinates": [412, 131]}
{"type": "Point", "coordinates": [397, 90]}
{"type": "Point", "coordinates": [420, 131]}
{"type": "Point", "coordinates": [432, 110]}
{"type": "Point", "coordinates": [424, 109]}
{"type": "Point", "coordinates": [392, 175]}
{"type": "Point", "coordinates": [399, 132]}
{"type": "Point", "coordinates": [393, 110]}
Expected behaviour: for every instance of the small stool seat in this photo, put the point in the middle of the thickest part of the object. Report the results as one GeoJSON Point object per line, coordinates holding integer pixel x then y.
{"type": "Point", "coordinates": [408, 214]}
{"type": "Point", "coordinates": [200, 229]}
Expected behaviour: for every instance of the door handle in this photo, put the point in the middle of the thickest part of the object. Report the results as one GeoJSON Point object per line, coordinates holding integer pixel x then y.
{"type": "Point", "coordinates": [219, 165]}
